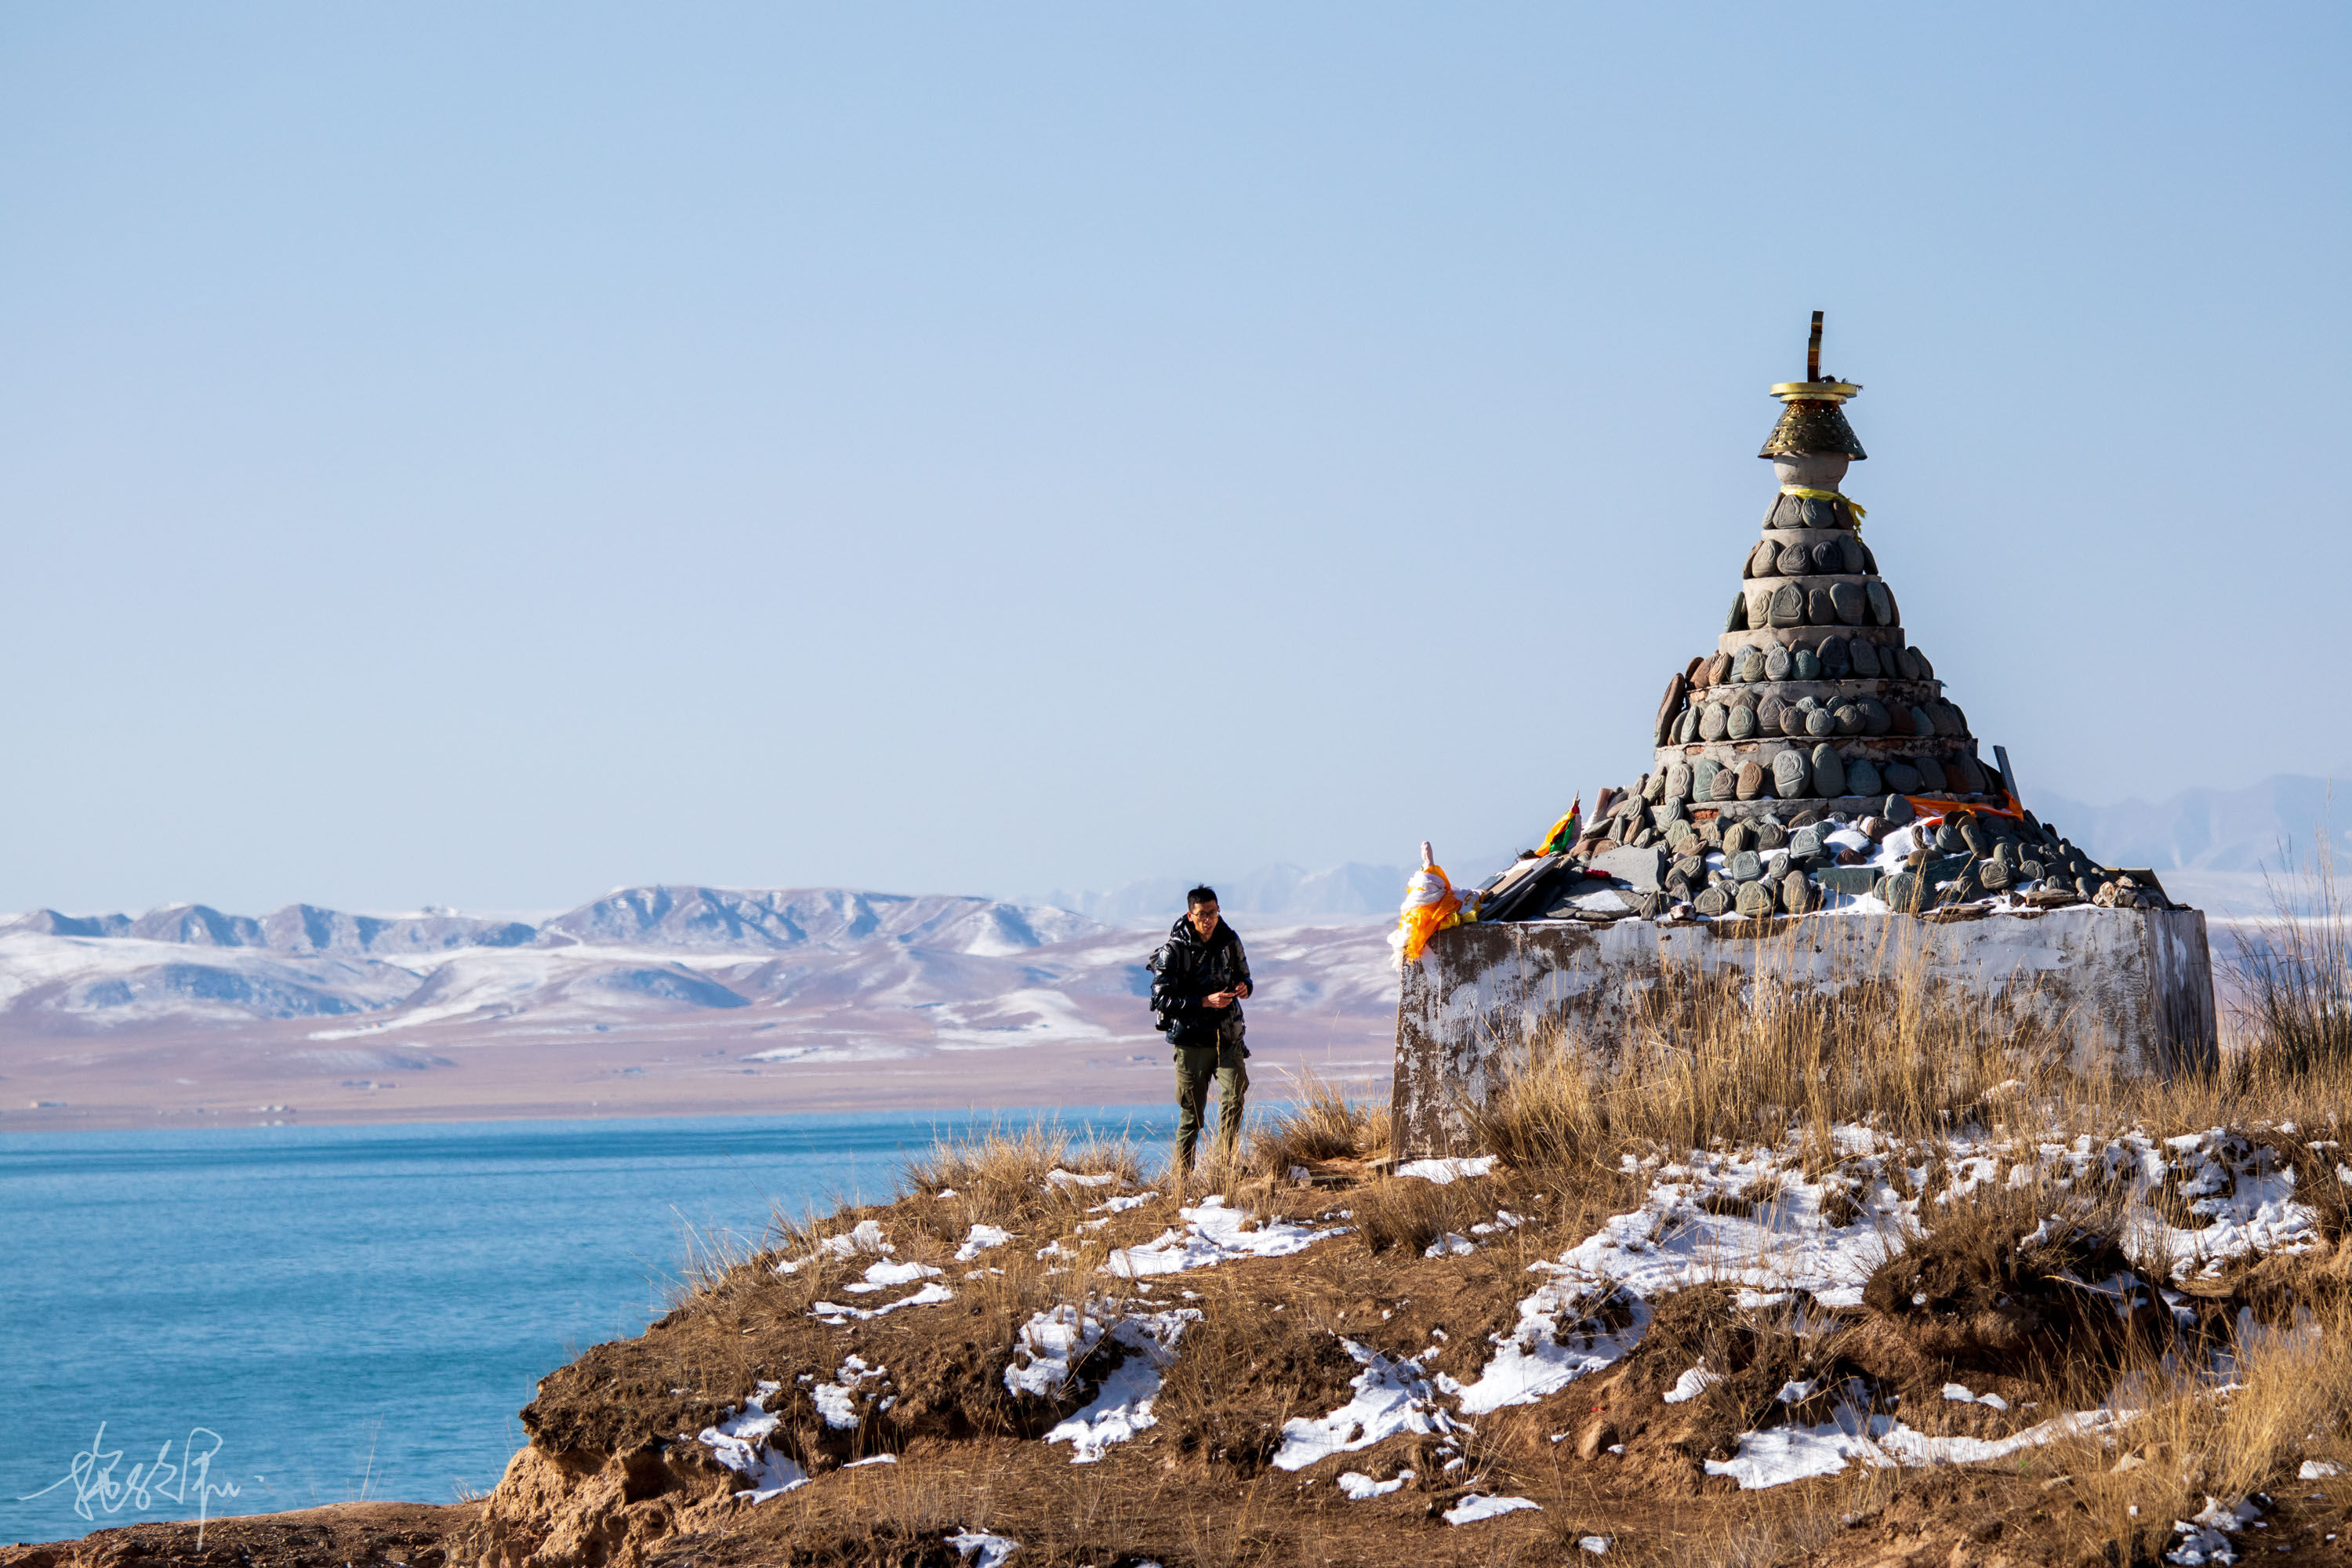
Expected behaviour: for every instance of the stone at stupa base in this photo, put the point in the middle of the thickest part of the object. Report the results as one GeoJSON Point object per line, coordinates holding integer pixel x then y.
{"type": "Point", "coordinates": [2127, 991]}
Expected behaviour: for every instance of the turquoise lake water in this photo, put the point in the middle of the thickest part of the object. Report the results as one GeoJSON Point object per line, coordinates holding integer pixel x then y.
{"type": "Point", "coordinates": [339, 1312]}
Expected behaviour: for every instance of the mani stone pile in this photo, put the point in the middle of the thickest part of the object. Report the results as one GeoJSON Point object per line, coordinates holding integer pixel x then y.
{"type": "Point", "coordinates": [1786, 760]}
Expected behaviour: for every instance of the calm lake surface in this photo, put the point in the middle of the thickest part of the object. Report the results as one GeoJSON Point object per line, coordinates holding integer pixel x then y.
{"type": "Point", "coordinates": [361, 1310]}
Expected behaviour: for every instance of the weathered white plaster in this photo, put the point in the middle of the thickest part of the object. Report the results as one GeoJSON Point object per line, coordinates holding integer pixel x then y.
{"type": "Point", "coordinates": [2129, 990]}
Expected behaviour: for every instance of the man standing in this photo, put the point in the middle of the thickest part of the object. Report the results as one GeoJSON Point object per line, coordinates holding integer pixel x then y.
{"type": "Point", "coordinates": [1201, 977]}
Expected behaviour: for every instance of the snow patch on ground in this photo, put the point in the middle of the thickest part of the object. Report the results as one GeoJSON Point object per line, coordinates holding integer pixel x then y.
{"type": "Point", "coordinates": [993, 1549]}
{"type": "Point", "coordinates": [1122, 1406]}
{"type": "Point", "coordinates": [1473, 1508]}
{"type": "Point", "coordinates": [982, 1238]}
{"type": "Point", "coordinates": [1445, 1170]}
{"type": "Point", "coordinates": [1570, 1328]}
{"type": "Point", "coordinates": [2206, 1538]}
{"type": "Point", "coordinates": [1049, 1345]}
{"type": "Point", "coordinates": [1391, 1396]}
{"type": "Point", "coordinates": [881, 1276]}
{"type": "Point", "coordinates": [1211, 1234]}
{"type": "Point", "coordinates": [1358, 1487]}
{"type": "Point", "coordinates": [1776, 1455]}
{"type": "Point", "coordinates": [740, 1443]}
{"type": "Point", "coordinates": [837, 1401]}
{"type": "Point", "coordinates": [838, 1316]}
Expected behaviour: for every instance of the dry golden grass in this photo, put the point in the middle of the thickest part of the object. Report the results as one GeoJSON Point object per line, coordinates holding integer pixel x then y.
{"type": "Point", "coordinates": [1319, 1124]}
{"type": "Point", "coordinates": [2196, 1436]}
{"type": "Point", "coordinates": [1002, 1175]}
{"type": "Point", "coordinates": [2231, 1403]}
{"type": "Point", "coordinates": [2294, 972]}
{"type": "Point", "coordinates": [1730, 1058]}
{"type": "Point", "coordinates": [1408, 1214]}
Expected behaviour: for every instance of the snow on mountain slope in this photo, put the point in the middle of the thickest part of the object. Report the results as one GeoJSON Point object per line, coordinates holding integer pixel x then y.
{"type": "Point", "coordinates": [736, 920]}
{"type": "Point", "coordinates": [968, 973]}
{"type": "Point", "coordinates": [47, 981]}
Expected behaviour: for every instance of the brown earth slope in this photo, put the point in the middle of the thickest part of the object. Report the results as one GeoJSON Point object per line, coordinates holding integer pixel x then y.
{"type": "Point", "coordinates": [902, 1383]}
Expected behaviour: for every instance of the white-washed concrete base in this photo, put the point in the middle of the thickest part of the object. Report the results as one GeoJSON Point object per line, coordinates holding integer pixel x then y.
{"type": "Point", "coordinates": [2130, 990]}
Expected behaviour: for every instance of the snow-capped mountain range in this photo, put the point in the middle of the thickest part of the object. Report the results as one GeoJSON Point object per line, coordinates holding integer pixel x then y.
{"type": "Point", "coordinates": [655, 998]}
{"type": "Point", "coordinates": [962, 972]}
{"type": "Point", "coordinates": [659, 948]}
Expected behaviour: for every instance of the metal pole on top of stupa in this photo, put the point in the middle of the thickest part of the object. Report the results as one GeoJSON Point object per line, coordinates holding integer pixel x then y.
{"type": "Point", "coordinates": [1813, 443]}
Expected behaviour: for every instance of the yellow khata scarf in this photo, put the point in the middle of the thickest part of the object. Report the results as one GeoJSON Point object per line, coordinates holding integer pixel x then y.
{"type": "Point", "coordinates": [1852, 504]}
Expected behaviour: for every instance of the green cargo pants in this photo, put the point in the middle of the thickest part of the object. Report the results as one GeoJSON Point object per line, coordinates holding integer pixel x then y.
{"type": "Point", "coordinates": [1195, 1066]}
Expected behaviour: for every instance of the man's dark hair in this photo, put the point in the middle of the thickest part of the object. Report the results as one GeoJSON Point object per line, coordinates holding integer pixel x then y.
{"type": "Point", "coordinates": [1204, 894]}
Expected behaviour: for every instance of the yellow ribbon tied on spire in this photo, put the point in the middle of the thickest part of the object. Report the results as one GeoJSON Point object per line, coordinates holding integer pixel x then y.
{"type": "Point", "coordinates": [1853, 505]}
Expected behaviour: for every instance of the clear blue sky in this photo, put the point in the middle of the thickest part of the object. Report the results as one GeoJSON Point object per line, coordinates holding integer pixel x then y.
{"type": "Point", "coordinates": [483, 454]}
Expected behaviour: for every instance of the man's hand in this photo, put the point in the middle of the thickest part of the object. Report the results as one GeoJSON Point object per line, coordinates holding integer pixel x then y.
{"type": "Point", "coordinates": [1218, 999]}
{"type": "Point", "coordinates": [1242, 989]}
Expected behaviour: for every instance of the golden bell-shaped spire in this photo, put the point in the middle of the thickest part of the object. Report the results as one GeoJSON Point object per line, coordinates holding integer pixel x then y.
{"type": "Point", "coordinates": [1812, 421]}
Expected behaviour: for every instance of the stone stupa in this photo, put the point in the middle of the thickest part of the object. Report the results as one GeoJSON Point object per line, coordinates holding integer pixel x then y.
{"type": "Point", "coordinates": [1812, 692]}
{"type": "Point", "coordinates": [1815, 814]}
{"type": "Point", "coordinates": [1783, 760]}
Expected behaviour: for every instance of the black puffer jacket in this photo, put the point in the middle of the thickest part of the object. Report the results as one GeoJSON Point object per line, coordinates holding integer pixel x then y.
{"type": "Point", "coordinates": [1189, 969]}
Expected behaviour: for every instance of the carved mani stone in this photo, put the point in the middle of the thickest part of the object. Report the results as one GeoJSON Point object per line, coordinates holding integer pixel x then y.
{"type": "Point", "coordinates": [1848, 603]}
{"type": "Point", "coordinates": [1865, 659]}
{"type": "Point", "coordinates": [1804, 665]}
{"type": "Point", "coordinates": [1742, 723]}
{"type": "Point", "coordinates": [1726, 785]}
{"type": "Point", "coordinates": [1829, 771]}
{"type": "Point", "coordinates": [1828, 557]}
{"type": "Point", "coordinates": [1821, 610]}
{"type": "Point", "coordinates": [1794, 560]}
{"type": "Point", "coordinates": [1837, 657]}
{"type": "Point", "coordinates": [1796, 895]}
{"type": "Point", "coordinates": [1787, 605]}
{"type": "Point", "coordinates": [1776, 663]}
{"type": "Point", "coordinates": [1882, 604]}
{"type": "Point", "coordinates": [1792, 777]}
{"type": "Point", "coordinates": [1751, 780]}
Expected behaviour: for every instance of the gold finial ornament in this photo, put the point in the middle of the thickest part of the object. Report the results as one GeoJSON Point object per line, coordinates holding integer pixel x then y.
{"type": "Point", "coordinates": [1812, 421]}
